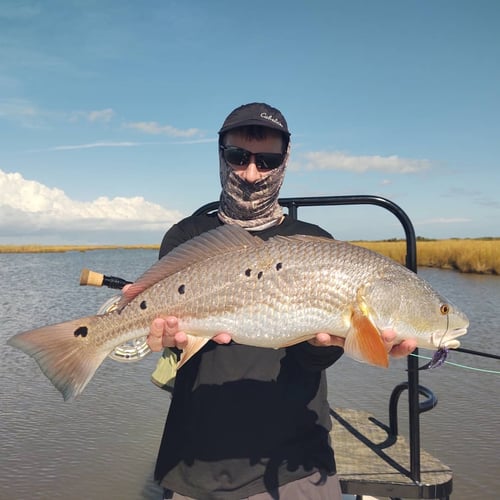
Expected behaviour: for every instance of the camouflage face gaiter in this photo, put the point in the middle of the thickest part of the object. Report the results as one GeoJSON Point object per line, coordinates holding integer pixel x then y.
{"type": "Point", "coordinates": [253, 206]}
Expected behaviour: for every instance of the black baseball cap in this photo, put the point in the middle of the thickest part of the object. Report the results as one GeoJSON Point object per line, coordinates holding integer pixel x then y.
{"type": "Point", "coordinates": [256, 113]}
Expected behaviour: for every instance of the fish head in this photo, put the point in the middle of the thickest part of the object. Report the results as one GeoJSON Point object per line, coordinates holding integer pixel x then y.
{"type": "Point", "coordinates": [407, 304]}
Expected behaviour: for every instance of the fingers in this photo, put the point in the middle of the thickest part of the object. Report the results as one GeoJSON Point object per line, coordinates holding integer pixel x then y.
{"type": "Point", "coordinates": [327, 340]}
{"type": "Point", "coordinates": [126, 291]}
{"type": "Point", "coordinates": [404, 349]}
{"type": "Point", "coordinates": [222, 338]}
{"type": "Point", "coordinates": [155, 337]}
{"type": "Point", "coordinates": [401, 349]}
{"type": "Point", "coordinates": [164, 332]}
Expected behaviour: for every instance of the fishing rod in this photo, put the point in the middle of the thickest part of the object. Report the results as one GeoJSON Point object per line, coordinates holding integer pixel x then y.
{"type": "Point", "coordinates": [477, 353]}
{"type": "Point", "coordinates": [92, 278]}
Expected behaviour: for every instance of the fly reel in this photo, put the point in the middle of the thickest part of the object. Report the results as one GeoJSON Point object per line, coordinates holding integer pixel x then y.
{"type": "Point", "coordinates": [133, 350]}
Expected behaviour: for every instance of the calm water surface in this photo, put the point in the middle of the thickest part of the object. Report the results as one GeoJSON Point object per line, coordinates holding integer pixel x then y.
{"type": "Point", "coordinates": [104, 444]}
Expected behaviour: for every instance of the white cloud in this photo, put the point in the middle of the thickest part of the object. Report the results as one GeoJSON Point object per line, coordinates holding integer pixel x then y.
{"type": "Point", "coordinates": [155, 128]}
{"type": "Point", "coordinates": [28, 207]}
{"type": "Point", "coordinates": [337, 160]}
{"type": "Point", "coordinates": [20, 111]}
{"type": "Point", "coordinates": [102, 115]}
{"type": "Point", "coordinates": [27, 114]}
{"type": "Point", "coordinates": [98, 144]}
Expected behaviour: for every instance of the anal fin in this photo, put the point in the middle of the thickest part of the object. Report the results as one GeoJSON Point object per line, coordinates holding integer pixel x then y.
{"type": "Point", "coordinates": [194, 344]}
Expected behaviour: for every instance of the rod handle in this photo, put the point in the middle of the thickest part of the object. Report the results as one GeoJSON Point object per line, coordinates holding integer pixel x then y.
{"type": "Point", "coordinates": [92, 278]}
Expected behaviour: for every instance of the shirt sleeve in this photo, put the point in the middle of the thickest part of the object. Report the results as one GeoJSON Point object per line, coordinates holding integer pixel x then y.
{"type": "Point", "coordinates": [185, 230]}
{"type": "Point", "coordinates": [316, 358]}
{"type": "Point", "coordinates": [173, 238]}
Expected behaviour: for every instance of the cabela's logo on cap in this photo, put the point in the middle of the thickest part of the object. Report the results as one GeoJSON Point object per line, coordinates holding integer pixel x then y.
{"type": "Point", "coordinates": [271, 119]}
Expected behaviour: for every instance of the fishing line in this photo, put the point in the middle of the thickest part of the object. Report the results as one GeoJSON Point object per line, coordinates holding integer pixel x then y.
{"type": "Point", "coordinates": [483, 370]}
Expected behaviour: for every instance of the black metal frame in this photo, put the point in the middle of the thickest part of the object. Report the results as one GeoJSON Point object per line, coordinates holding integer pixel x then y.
{"type": "Point", "coordinates": [412, 385]}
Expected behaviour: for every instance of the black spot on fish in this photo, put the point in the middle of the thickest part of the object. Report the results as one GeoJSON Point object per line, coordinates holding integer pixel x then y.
{"type": "Point", "coordinates": [182, 289]}
{"type": "Point", "coordinates": [260, 275]}
{"type": "Point", "coordinates": [279, 266]}
{"type": "Point", "coordinates": [81, 331]}
{"type": "Point", "coordinates": [143, 305]}
{"type": "Point", "coordinates": [248, 272]}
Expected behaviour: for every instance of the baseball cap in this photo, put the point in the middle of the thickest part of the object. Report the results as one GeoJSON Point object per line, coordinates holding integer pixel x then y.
{"type": "Point", "coordinates": [255, 113]}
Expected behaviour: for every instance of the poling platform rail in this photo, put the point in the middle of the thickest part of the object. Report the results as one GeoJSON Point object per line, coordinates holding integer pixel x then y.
{"type": "Point", "coordinates": [352, 424]}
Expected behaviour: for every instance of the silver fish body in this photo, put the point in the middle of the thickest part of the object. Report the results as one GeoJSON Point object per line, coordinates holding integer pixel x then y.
{"type": "Point", "coordinates": [272, 294]}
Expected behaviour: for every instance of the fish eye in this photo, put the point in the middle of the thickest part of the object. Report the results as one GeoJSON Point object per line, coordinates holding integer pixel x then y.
{"type": "Point", "coordinates": [444, 308]}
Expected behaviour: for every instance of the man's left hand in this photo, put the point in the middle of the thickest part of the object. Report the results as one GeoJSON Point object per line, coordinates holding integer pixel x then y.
{"type": "Point", "coordinates": [400, 350]}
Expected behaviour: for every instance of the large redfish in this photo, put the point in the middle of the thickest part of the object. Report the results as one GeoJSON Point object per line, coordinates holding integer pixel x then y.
{"type": "Point", "coordinates": [273, 293]}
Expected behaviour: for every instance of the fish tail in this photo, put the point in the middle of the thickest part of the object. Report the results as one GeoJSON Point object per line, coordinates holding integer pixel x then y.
{"type": "Point", "coordinates": [64, 353]}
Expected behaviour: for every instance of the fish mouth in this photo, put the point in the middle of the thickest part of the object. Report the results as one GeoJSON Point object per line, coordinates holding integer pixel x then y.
{"type": "Point", "coordinates": [448, 339]}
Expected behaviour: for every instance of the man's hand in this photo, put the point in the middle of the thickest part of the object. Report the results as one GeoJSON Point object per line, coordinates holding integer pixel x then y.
{"type": "Point", "coordinates": [400, 350]}
{"type": "Point", "coordinates": [165, 332]}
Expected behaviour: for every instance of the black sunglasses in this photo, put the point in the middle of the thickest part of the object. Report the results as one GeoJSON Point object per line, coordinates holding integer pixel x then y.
{"type": "Point", "coordinates": [241, 157]}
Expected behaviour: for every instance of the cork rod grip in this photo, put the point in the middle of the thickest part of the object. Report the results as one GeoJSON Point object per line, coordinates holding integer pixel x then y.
{"type": "Point", "coordinates": [91, 278]}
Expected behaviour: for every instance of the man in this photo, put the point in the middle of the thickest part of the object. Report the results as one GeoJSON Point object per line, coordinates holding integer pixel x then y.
{"type": "Point", "coordinates": [248, 422]}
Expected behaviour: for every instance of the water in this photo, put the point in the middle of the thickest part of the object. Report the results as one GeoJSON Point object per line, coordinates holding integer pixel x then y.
{"type": "Point", "coordinates": [104, 444]}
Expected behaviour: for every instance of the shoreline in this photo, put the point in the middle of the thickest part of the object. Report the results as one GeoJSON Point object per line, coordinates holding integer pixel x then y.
{"type": "Point", "coordinates": [476, 256]}
{"type": "Point", "coordinates": [34, 248]}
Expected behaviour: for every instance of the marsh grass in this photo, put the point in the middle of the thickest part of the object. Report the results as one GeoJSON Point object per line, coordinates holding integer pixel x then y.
{"type": "Point", "coordinates": [69, 248]}
{"type": "Point", "coordinates": [480, 256]}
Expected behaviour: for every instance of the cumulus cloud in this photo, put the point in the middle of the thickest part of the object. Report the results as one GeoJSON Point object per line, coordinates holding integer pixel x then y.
{"type": "Point", "coordinates": [337, 160]}
{"type": "Point", "coordinates": [155, 128]}
{"type": "Point", "coordinates": [28, 207]}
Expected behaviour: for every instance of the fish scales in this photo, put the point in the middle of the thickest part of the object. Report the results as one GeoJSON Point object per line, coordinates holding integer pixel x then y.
{"type": "Point", "coordinates": [261, 296]}
{"type": "Point", "coordinates": [266, 294]}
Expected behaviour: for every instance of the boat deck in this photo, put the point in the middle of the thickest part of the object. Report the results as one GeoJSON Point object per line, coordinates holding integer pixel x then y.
{"type": "Point", "coordinates": [371, 461]}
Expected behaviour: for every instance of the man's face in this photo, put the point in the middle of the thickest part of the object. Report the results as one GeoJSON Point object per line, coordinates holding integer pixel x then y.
{"type": "Point", "coordinates": [251, 173]}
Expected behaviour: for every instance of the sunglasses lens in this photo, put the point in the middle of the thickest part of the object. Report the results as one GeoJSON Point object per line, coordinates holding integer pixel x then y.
{"type": "Point", "coordinates": [269, 161]}
{"type": "Point", "coordinates": [241, 157]}
{"type": "Point", "coordinates": [236, 156]}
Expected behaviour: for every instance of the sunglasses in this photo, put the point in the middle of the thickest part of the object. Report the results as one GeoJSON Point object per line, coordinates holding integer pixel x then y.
{"type": "Point", "coordinates": [241, 157]}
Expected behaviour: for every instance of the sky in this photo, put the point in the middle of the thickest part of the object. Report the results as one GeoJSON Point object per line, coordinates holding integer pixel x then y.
{"type": "Point", "coordinates": [109, 112]}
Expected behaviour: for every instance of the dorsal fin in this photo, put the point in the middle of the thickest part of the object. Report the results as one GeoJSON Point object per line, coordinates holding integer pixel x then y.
{"type": "Point", "coordinates": [303, 238]}
{"type": "Point", "coordinates": [218, 241]}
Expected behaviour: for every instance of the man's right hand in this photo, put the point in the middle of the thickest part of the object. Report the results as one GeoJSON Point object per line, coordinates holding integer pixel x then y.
{"type": "Point", "coordinates": [164, 332]}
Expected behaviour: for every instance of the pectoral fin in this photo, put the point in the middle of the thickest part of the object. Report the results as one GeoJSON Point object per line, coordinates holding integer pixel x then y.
{"type": "Point", "coordinates": [364, 342]}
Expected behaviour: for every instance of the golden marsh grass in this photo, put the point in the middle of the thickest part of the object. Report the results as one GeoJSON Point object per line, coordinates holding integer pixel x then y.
{"type": "Point", "coordinates": [69, 248]}
{"type": "Point", "coordinates": [480, 256]}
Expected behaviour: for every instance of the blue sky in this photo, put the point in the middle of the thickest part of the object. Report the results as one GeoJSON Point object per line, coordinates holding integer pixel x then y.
{"type": "Point", "coordinates": [109, 111]}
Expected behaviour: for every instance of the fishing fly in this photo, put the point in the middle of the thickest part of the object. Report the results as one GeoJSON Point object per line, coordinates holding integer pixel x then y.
{"type": "Point", "coordinates": [441, 355]}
